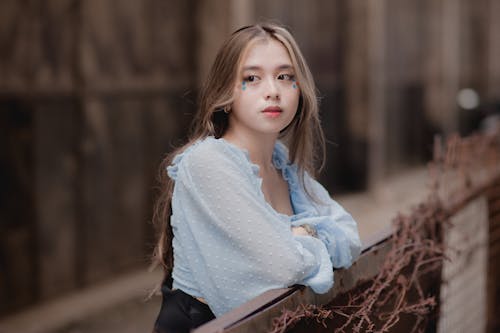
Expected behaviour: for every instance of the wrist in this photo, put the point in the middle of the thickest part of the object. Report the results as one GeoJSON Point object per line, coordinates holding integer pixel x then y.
{"type": "Point", "coordinates": [310, 229]}
{"type": "Point", "coordinates": [304, 230]}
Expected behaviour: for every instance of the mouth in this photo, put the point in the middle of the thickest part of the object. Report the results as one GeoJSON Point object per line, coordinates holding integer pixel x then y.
{"type": "Point", "coordinates": [272, 111]}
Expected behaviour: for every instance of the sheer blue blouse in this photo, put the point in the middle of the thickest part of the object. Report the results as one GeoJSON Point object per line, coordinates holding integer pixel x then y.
{"type": "Point", "coordinates": [230, 245]}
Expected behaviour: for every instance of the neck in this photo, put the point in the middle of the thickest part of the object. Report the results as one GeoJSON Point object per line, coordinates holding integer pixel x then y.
{"type": "Point", "coordinates": [260, 147]}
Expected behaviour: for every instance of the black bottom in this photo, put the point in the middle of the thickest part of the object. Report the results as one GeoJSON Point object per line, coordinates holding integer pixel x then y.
{"type": "Point", "coordinates": [181, 312]}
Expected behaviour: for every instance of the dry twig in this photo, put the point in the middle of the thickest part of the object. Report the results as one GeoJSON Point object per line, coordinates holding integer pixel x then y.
{"type": "Point", "coordinates": [417, 246]}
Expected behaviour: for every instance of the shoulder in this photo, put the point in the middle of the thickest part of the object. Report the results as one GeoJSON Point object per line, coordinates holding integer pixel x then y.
{"type": "Point", "coordinates": [205, 156]}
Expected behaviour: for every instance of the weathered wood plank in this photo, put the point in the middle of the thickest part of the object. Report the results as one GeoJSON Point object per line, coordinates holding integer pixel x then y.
{"type": "Point", "coordinates": [17, 215]}
{"type": "Point", "coordinates": [56, 169]}
{"type": "Point", "coordinates": [377, 91]}
{"type": "Point", "coordinates": [97, 232]}
{"type": "Point", "coordinates": [464, 289]}
{"type": "Point", "coordinates": [493, 278]}
{"type": "Point", "coordinates": [37, 44]}
{"type": "Point", "coordinates": [114, 187]}
{"type": "Point", "coordinates": [493, 56]}
{"type": "Point", "coordinates": [129, 186]}
{"type": "Point", "coordinates": [213, 24]}
{"type": "Point", "coordinates": [137, 42]}
{"type": "Point", "coordinates": [124, 140]}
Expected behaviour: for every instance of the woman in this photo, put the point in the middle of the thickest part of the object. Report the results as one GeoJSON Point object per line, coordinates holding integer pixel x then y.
{"type": "Point", "coordinates": [241, 212]}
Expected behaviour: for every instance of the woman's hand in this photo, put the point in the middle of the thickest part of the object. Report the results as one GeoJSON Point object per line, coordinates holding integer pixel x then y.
{"type": "Point", "coordinates": [305, 230]}
{"type": "Point", "coordinates": [300, 231]}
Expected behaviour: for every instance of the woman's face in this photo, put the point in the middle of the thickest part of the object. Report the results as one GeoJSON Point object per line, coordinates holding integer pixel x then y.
{"type": "Point", "coordinates": [266, 95]}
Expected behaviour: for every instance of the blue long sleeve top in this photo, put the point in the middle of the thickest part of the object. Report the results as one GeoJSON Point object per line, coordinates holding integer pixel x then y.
{"type": "Point", "coordinates": [230, 245]}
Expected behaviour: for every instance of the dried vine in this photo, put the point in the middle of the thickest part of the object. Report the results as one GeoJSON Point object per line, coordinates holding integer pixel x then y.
{"type": "Point", "coordinates": [417, 246]}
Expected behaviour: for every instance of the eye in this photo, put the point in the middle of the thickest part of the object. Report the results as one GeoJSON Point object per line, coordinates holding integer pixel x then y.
{"type": "Point", "coordinates": [288, 77]}
{"type": "Point", "coordinates": [250, 78]}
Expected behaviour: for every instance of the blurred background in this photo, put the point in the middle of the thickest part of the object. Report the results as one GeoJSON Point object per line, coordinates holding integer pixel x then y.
{"type": "Point", "coordinates": [94, 93]}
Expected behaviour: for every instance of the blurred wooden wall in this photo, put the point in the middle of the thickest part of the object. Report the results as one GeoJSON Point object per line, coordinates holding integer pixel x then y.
{"type": "Point", "coordinates": [93, 93]}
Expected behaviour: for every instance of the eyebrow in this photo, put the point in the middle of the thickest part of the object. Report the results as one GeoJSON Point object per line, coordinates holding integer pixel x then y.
{"type": "Point", "coordinates": [256, 68]}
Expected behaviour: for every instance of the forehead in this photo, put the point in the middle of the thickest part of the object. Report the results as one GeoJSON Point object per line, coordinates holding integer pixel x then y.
{"type": "Point", "coordinates": [265, 53]}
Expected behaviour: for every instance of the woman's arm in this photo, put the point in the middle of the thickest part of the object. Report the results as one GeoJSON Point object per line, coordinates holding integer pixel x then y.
{"type": "Point", "coordinates": [334, 226]}
{"type": "Point", "coordinates": [238, 248]}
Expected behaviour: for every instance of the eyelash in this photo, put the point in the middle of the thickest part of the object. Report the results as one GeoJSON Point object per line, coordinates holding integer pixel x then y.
{"type": "Point", "coordinates": [247, 78]}
{"type": "Point", "coordinates": [291, 77]}
{"type": "Point", "coordinates": [251, 78]}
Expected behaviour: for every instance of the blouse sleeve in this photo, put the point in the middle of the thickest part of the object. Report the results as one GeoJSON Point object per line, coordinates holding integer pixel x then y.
{"type": "Point", "coordinates": [335, 227]}
{"type": "Point", "coordinates": [237, 247]}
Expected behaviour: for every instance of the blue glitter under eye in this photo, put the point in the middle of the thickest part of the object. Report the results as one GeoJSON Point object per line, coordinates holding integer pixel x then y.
{"type": "Point", "coordinates": [243, 85]}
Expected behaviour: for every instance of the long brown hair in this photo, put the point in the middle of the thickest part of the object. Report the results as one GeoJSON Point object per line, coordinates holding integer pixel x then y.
{"type": "Point", "coordinates": [304, 136]}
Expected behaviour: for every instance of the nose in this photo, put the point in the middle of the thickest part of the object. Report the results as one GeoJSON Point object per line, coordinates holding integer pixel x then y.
{"type": "Point", "coordinates": [272, 91]}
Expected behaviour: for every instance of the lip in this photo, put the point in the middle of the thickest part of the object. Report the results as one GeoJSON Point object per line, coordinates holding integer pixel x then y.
{"type": "Point", "coordinates": [272, 111]}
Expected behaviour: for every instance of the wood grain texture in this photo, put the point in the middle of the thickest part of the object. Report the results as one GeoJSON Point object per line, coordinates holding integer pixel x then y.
{"type": "Point", "coordinates": [56, 169]}
{"type": "Point", "coordinates": [37, 43]}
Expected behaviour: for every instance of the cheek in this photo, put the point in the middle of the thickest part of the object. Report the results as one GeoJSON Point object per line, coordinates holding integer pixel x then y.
{"type": "Point", "coordinates": [293, 96]}
{"type": "Point", "coordinates": [242, 89]}
{"type": "Point", "coordinates": [242, 99]}
{"type": "Point", "coordinates": [237, 94]}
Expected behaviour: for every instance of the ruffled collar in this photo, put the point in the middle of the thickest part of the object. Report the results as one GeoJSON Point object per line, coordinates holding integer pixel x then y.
{"type": "Point", "coordinates": [289, 172]}
{"type": "Point", "coordinates": [280, 161]}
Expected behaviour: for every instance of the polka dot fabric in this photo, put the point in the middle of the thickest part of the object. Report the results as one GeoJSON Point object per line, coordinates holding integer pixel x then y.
{"type": "Point", "coordinates": [230, 245]}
